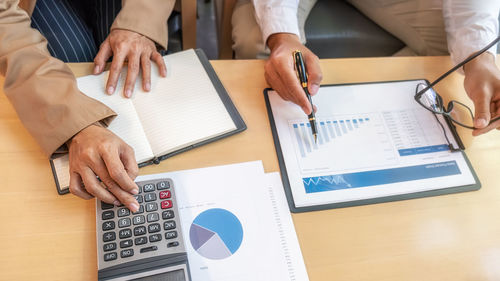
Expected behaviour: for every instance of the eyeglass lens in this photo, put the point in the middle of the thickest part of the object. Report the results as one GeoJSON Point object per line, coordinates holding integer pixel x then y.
{"type": "Point", "coordinates": [429, 99]}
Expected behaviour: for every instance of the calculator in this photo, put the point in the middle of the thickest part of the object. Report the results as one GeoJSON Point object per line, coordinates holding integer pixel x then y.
{"type": "Point", "coordinates": [145, 245]}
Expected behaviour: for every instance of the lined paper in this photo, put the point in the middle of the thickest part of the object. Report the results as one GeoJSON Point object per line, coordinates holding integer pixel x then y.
{"type": "Point", "coordinates": [183, 108]}
{"type": "Point", "coordinates": [126, 125]}
{"type": "Point", "coordinates": [61, 167]}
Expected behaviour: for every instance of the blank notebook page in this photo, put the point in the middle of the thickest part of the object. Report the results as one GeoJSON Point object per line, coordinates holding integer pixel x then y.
{"type": "Point", "coordinates": [126, 125]}
{"type": "Point", "coordinates": [182, 109]}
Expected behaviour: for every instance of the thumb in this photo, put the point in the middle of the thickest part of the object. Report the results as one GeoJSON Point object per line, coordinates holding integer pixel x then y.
{"type": "Point", "coordinates": [314, 73]}
{"type": "Point", "coordinates": [482, 111]}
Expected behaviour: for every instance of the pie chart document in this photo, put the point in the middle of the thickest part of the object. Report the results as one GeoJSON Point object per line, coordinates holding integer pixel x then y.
{"type": "Point", "coordinates": [236, 224]}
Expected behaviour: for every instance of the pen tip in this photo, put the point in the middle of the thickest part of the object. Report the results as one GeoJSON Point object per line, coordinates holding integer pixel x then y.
{"type": "Point", "coordinates": [316, 138]}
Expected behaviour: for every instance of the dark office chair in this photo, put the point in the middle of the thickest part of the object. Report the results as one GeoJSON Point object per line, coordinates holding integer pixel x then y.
{"type": "Point", "coordinates": [335, 29]}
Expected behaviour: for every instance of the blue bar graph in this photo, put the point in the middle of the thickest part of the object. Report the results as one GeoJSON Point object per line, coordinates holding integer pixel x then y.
{"type": "Point", "coordinates": [328, 131]}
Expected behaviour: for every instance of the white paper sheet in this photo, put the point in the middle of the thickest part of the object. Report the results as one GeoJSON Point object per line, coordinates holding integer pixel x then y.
{"type": "Point", "coordinates": [374, 141]}
{"type": "Point", "coordinates": [268, 249]}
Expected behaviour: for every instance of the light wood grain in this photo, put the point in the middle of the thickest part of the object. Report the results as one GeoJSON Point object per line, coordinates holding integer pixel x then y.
{"type": "Point", "coordinates": [452, 237]}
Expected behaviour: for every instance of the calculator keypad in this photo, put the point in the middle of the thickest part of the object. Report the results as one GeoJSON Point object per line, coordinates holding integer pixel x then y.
{"type": "Point", "coordinates": [152, 230]}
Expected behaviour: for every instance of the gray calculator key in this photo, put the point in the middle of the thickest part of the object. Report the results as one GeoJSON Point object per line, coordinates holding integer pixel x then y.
{"type": "Point", "coordinates": [148, 187]}
{"type": "Point", "coordinates": [168, 214]}
{"type": "Point", "coordinates": [106, 206]}
{"type": "Point", "coordinates": [124, 222]}
{"type": "Point", "coordinates": [108, 225]}
{"type": "Point", "coordinates": [138, 197]}
{"type": "Point", "coordinates": [171, 234]}
{"type": "Point", "coordinates": [154, 238]}
{"type": "Point", "coordinates": [172, 244]}
{"type": "Point", "coordinates": [108, 236]}
{"type": "Point", "coordinates": [140, 211]}
{"type": "Point", "coordinates": [109, 247]}
{"type": "Point", "coordinates": [127, 253]}
{"type": "Point", "coordinates": [152, 217]}
{"type": "Point", "coordinates": [154, 227]}
{"type": "Point", "coordinates": [149, 249]}
{"type": "Point", "coordinates": [138, 220]}
{"type": "Point", "coordinates": [151, 207]}
{"type": "Point", "coordinates": [163, 185]}
{"type": "Point", "coordinates": [125, 233]}
{"type": "Point", "coordinates": [148, 197]}
{"type": "Point", "coordinates": [140, 230]}
{"type": "Point", "coordinates": [168, 225]}
{"type": "Point", "coordinates": [126, 243]}
{"type": "Point", "coordinates": [107, 215]}
{"type": "Point", "coordinates": [122, 212]}
{"type": "Point", "coordinates": [110, 256]}
{"type": "Point", "coordinates": [141, 240]}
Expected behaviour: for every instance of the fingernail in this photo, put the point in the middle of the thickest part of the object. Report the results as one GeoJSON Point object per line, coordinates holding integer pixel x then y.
{"type": "Point", "coordinates": [133, 207]}
{"type": "Point", "coordinates": [96, 69]}
{"type": "Point", "coordinates": [111, 90]}
{"type": "Point", "coordinates": [148, 87]}
{"type": "Point", "coordinates": [135, 191]}
{"type": "Point", "coordinates": [116, 203]}
{"type": "Point", "coordinates": [481, 122]}
{"type": "Point", "coordinates": [128, 93]}
{"type": "Point", "coordinates": [314, 89]}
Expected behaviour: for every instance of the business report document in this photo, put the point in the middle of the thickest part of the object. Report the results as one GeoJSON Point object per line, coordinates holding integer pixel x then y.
{"type": "Point", "coordinates": [236, 224]}
{"type": "Point", "coordinates": [374, 140]}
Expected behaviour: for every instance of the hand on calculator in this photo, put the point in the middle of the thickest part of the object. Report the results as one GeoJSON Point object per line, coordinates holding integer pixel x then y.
{"type": "Point", "coordinates": [96, 151]}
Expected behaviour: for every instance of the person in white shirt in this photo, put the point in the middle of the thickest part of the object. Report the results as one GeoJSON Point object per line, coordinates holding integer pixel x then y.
{"type": "Point", "coordinates": [275, 28]}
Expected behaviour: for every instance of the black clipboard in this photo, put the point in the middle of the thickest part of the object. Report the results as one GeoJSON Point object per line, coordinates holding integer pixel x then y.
{"type": "Point", "coordinates": [226, 100]}
{"type": "Point", "coordinates": [286, 182]}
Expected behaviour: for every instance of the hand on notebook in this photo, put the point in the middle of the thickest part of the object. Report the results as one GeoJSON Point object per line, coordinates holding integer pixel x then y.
{"type": "Point", "coordinates": [138, 50]}
{"type": "Point", "coordinates": [96, 151]}
{"type": "Point", "coordinates": [482, 83]}
{"type": "Point", "coordinates": [280, 73]}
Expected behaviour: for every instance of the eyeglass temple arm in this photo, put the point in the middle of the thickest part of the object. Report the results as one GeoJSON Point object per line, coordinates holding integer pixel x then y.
{"type": "Point", "coordinates": [476, 54]}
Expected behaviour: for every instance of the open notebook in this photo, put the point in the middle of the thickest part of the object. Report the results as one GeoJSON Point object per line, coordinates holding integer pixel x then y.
{"type": "Point", "coordinates": [188, 108]}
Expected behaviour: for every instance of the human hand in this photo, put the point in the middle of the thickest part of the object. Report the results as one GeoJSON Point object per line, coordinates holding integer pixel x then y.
{"type": "Point", "coordinates": [135, 48]}
{"type": "Point", "coordinates": [96, 151]}
{"type": "Point", "coordinates": [482, 83]}
{"type": "Point", "coordinates": [280, 69]}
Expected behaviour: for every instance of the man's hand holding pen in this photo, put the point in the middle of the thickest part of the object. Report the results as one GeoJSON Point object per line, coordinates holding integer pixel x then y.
{"type": "Point", "coordinates": [280, 72]}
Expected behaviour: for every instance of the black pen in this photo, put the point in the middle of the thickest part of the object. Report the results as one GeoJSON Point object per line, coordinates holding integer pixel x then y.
{"type": "Point", "coordinates": [300, 67]}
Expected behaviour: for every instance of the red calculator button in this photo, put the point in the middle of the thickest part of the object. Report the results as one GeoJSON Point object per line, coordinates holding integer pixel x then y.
{"type": "Point", "coordinates": [165, 194]}
{"type": "Point", "coordinates": [167, 204]}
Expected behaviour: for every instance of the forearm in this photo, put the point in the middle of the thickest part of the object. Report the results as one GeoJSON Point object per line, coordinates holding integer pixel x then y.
{"type": "Point", "coordinates": [42, 89]}
{"type": "Point", "coordinates": [470, 26]}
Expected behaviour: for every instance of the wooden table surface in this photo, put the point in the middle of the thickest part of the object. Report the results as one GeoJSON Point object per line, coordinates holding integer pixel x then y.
{"type": "Point", "coordinates": [451, 237]}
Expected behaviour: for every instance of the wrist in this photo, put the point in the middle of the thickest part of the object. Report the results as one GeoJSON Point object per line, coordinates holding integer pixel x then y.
{"type": "Point", "coordinates": [95, 124]}
{"type": "Point", "coordinates": [484, 60]}
{"type": "Point", "coordinates": [278, 39]}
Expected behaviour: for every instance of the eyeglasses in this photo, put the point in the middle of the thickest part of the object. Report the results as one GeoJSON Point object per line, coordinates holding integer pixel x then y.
{"type": "Point", "coordinates": [455, 111]}
{"type": "Point", "coordinates": [458, 112]}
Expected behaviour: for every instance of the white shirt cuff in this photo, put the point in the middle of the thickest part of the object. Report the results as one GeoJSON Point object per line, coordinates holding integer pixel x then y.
{"type": "Point", "coordinates": [278, 20]}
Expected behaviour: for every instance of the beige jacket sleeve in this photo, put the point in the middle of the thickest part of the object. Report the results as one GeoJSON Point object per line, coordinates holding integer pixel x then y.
{"type": "Point", "coordinates": [147, 17]}
{"type": "Point", "coordinates": [41, 88]}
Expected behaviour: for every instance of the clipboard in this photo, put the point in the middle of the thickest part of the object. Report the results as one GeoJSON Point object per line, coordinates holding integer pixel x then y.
{"type": "Point", "coordinates": [285, 176]}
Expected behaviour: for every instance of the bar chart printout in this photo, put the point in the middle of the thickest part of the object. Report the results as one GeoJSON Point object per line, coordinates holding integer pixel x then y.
{"type": "Point", "coordinates": [374, 141]}
{"type": "Point", "coordinates": [342, 143]}
{"type": "Point", "coordinates": [369, 149]}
